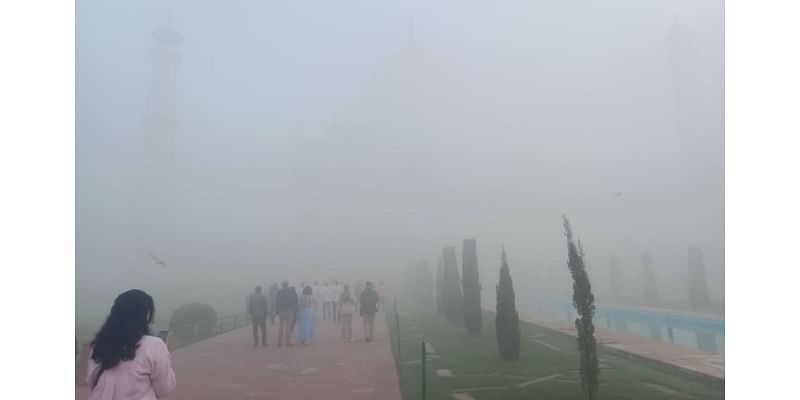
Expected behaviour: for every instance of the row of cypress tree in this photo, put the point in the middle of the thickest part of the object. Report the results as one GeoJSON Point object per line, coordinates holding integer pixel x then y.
{"type": "Point", "coordinates": [460, 300]}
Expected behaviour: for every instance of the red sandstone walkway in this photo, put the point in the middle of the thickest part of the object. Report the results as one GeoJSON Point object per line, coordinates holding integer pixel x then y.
{"type": "Point", "coordinates": [228, 367]}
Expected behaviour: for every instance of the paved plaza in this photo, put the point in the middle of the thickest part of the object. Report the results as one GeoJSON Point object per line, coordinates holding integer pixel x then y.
{"type": "Point", "coordinates": [229, 367]}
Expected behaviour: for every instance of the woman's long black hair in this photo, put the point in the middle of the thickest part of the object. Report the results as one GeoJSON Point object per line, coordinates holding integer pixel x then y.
{"type": "Point", "coordinates": [118, 339]}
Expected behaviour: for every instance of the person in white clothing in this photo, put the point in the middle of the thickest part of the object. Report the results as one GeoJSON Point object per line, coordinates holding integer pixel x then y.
{"type": "Point", "coordinates": [335, 293]}
{"type": "Point", "coordinates": [325, 294]}
{"type": "Point", "coordinates": [347, 305]}
{"type": "Point", "coordinates": [317, 289]}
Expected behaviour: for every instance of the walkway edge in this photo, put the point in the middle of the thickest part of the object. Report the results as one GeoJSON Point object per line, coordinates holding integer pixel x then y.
{"type": "Point", "coordinates": [713, 380]}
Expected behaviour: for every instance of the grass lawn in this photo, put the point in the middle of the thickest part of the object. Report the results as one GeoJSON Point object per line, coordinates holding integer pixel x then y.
{"type": "Point", "coordinates": [547, 369]}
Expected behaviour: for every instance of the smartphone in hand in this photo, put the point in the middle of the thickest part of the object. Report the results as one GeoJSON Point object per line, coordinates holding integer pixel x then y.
{"type": "Point", "coordinates": [164, 335]}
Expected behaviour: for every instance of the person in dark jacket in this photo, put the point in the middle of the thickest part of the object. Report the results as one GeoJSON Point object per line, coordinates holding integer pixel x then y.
{"type": "Point", "coordinates": [273, 301]}
{"type": "Point", "coordinates": [258, 307]}
{"type": "Point", "coordinates": [296, 302]}
{"type": "Point", "coordinates": [286, 306]}
{"type": "Point", "coordinates": [358, 287]}
{"type": "Point", "coordinates": [369, 306]}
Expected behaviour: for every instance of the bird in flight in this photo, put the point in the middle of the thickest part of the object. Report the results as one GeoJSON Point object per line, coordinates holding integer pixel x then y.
{"type": "Point", "coordinates": [618, 194]}
{"type": "Point", "coordinates": [158, 260]}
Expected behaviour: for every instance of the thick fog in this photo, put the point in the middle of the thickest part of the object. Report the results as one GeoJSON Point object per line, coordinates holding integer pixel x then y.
{"type": "Point", "coordinates": [347, 139]}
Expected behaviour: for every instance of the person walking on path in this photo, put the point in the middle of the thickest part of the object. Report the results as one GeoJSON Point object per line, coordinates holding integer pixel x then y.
{"type": "Point", "coordinates": [346, 307]}
{"type": "Point", "coordinates": [295, 301]}
{"type": "Point", "coordinates": [381, 296]}
{"type": "Point", "coordinates": [306, 305]}
{"type": "Point", "coordinates": [286, 304]}
{"type": "Point", "coordinates": [317, 289]}
{"type": "Point", "coordinates": [258, 307]}
{"type": "Point", "coordinates": [357, 289]}
{"type": "Point", "coordinates": [273, 301]}
{"type": "Point", "coordinates": [326, 301]}
{"type": "Point", "coordinates": [369, 306]}
{"type": "Point", "coordinates": [126, 362]}
{"type": "Point", "coordinates": [336, 291]}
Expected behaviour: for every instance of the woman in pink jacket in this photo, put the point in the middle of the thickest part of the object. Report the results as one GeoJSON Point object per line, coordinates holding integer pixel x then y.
{"type": "Point", "coordinates": [126, 362]}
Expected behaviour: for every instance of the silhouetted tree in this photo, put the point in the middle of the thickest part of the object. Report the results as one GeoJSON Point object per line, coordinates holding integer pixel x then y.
{"type": "Point", "coordinates": [583, 301]}
{"type": "Point", "coordinates": [698, 285]}
{"type": "Point", "coordinates": [426, 283]}
{"type": "Point", "coordinates": [649, 281]}
{"type": "Point", "coordinates": [616, 280]}
{"type": "Point", "coordinates": [451, 283]}
{"type": "Point", "coordinates": [506, 320]}
{"type": "Point", "coordinates": [472, 287]}
{"type": "Point", "coordinates": [419, 283]}
{"type": "Point", "coordinates": [439, 288]}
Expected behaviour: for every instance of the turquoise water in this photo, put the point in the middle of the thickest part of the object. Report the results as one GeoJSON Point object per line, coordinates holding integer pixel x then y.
{"type": "Point", "coordinates": [706, 334]}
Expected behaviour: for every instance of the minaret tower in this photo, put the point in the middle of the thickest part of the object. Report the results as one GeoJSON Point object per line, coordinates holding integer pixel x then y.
{"type": "Point", "coordinates": [160, 118]}
{"type": "Point", "coordinates": [156, 183]}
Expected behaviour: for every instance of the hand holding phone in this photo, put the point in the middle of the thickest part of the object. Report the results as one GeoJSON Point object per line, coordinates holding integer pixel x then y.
{"type": "Point", "coordinates": [164, 335]}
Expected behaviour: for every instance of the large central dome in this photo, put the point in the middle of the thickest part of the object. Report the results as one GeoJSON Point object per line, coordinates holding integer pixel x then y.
{"type": "Point", "coordinates": [376, 165]}
{"type": "Point", "coordinates": [404, 110]}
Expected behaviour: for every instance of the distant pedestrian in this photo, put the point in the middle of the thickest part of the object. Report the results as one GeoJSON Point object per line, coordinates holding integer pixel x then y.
{"type": "Point", "coordinates": [306, 306]}
{"type": "Point", "coordinates": [126, 363]}
{"type": "Point", "coordinates": [273, 302]}
{"type": "Point", "coordinates": [258, 307]}
{"type": "Point", "coordinates": [336, 291]}
{"type": "Point", "coordinates": [286, 304]}
{"type": "Point", "coordinates": [327, 312]}
{"type": "Point", "coordinates": [369, 306]}
{"type": "Point", "coordinates": [381, 296]}
{"type": "Point", "coordinates": [357, 289]}
{"type": "Point", "coordinates": [317, 289]}
{"type": "Point", "coordinates": [295, 300]}
{"type": "Point", "coordinates": [347, 306]}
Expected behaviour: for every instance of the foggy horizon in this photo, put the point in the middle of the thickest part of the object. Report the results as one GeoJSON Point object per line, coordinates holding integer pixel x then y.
{"type": "Point", "coordinates": [347, 140]}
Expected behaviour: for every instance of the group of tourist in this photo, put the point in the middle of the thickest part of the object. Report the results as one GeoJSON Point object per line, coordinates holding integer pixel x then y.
{"type": "Point", "coordinates": [337, 302]}
{"type": "Point", "coordinates": [127, 362]}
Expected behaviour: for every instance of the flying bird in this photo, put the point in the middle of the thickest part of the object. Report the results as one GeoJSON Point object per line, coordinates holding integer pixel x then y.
{"type": "Point", "coordinates": [618, 194]}
{"type": "Point", "coordinates": [158, 260]}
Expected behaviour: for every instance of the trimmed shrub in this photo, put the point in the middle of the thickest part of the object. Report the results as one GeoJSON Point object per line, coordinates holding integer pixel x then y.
{"type": "Point", "coordinates": [195, 319]}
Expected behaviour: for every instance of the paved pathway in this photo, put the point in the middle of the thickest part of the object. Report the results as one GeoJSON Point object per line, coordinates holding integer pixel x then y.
{"type": "Point", "coordinates": [684, 358]}
{"type": "Point", "coordinates": [228, 367]}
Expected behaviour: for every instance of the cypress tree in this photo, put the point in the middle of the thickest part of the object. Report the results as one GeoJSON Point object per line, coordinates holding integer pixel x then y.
{"type": "Point", "coordinates": [583, 301]}
{"type": "Point", "coordinates": [698, 286]}
{"type": "Point", "coordinates": [506, 320]}
{"type": "Point", "coordinates": [426, 283]}
{"type": "Point", "coordinates": [439, 288]}
{"type": "Point", "coordinates": [451, 283]}
{"type": "Point", "coordinates": [472, 287]}
{"type": "Point", "coordinates": [616, 282]}
{"type": "Point", "coordinates": [419, 283]}
{"type": "Point", "coordinates": [649, 278]}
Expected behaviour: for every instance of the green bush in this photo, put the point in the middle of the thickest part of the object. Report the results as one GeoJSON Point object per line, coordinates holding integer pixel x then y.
{"type": "Point", "coordinates": [186, 318]}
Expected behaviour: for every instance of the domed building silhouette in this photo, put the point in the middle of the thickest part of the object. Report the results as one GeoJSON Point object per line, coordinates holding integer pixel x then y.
{"type": "Point", "coordinates": [377, 164]}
